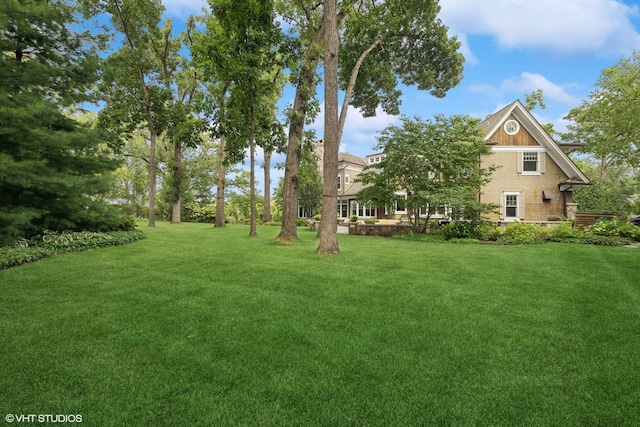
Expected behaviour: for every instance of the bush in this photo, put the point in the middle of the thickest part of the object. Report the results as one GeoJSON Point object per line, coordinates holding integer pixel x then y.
{"type": "Point", "coordinates": [200, 212]}
{"type": "Point", "coordinates": [52, 243]}
{"type": "Point", "coordinates": [565, 232]}
{"type": "Point", "coordinates": [611, 233]}
{"type": "Point", "coordinates": [476, 230]}
{"type": "Point", "coordinates": [302, 222]}
{"type": "Point", "coordinates": [520, 233]}
{"type": "Point", "coordinates": [623, 229]}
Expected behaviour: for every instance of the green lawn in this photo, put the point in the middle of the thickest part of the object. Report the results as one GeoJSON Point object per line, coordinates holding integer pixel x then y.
{"type": "Point", "coordinates": [196, 326]}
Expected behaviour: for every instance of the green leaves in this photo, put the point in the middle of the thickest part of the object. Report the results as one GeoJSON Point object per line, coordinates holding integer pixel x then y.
{"type": "Point", "coordinates": [434, 162]}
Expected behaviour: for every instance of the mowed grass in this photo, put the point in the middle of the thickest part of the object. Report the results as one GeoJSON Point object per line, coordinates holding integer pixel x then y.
{"type": "Point", "coordinates": [196, 326]}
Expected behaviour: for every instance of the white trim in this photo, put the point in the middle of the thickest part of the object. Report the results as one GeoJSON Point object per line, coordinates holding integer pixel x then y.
{"type": "Point", "coordinates": [522, 148]}
{"type": "Point", "coordinates": [520, 206]}
{"type": "Point", "coordinates": [531, 125]}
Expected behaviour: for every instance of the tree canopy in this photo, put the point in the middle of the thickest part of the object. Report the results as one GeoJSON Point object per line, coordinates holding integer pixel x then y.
{"type": "Point", "coordinates": [53, 167]}
{"type": "Point", "coordinates": [608, 122]}
{"type": "Point", "coordinates": [435, 161]}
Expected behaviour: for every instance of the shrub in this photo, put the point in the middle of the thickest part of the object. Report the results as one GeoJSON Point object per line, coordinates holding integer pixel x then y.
{"type": "Point", "coordinates": [52, 243]}
{"type": "Point", "coordinates": [611, 233]}
{"type": "Point", "coordinates": [302, 222]}
{"type": "Point", "coordinates": [520, 233]}
{"type": "Point", "coordinates": [477, 230]}
{"type": "Point", "coordinates": [458, 230]}
{"type": "Point", "coordinates": [565, 232]}
{"type": "Point", "coordinates": [622, 229]}
{"type": "Point", "coordinates": [200, 212]}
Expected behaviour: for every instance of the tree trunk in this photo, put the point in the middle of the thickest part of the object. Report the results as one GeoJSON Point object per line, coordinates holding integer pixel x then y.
{"type": "Point", "coordinates": [304, 90]}
{"type": "Point", "coordinates": [177, 182]}
{"type": "Point", "coordinates": [328, 223]}
{"type": "Point", "coordinates": [152, 174]}
{"type": "Point", "coordinates": [222, 172]}
{"type": "Point", "coordinates": [267, 185]}
{"type": "Point", "coordinates": [252, 178]}
{"type": "Point", "coordinates": [289, 229]}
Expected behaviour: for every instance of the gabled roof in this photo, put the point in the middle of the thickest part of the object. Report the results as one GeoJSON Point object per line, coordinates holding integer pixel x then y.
{"type": "Point", "coordinates": [490, 125]}
{"type": "Point", "coordinates": [349, 158]}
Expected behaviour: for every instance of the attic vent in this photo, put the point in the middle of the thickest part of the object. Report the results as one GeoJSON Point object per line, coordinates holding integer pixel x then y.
{"type": "Point", "coordinates": [547, 195]}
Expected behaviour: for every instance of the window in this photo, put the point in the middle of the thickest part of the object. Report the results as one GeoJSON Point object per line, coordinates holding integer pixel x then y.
{"type": "Point", "coordinates": [531, 162]}
{"type": "Point", "coordinates": [401, 203]}
{"type": "Point", "coordinates": [347, 179]}
{"type": "Point", "coordinates": [512, 206]}
{"type": "Point", "coordinates": [343, 208]}
{"type": "Point", "coordinates": [339, 182]}
{"type": "Point", "coordinates": [363, 211]}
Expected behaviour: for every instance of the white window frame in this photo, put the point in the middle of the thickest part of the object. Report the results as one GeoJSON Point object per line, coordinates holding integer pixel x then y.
{"type": "Point", "coordinates": [540, 162]}
{"type": "Point", "coordinates": [347, 180]}
{"type": "Point", "coordinates": [520, 205]}
{"type": "Point", "coordinates": [403, 196]}
{"type": "Point", "coordinates": [343, 206]}
{"type": "Point", "coordinates": [339, 183]}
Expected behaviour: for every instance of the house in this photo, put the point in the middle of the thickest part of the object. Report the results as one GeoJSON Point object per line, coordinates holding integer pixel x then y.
{"type": "Point", "coordinates": [534, 180]}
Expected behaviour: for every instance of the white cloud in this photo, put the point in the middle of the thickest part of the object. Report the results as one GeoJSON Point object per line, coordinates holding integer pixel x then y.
{"type": "Point", "coordinates": [529, 82]}
{"type": "Point", "coordinates": [525, 83]}
{"type": "Point", "coordinates": [359, 135]}
{"type": "Point", "coordinates": [569, 26]}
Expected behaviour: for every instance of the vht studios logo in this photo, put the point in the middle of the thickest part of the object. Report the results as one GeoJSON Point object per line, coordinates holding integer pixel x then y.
{"type": "Point", "coordinates": [43, 418]}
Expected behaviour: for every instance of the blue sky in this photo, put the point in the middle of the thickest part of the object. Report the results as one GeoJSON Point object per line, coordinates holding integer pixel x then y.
{"type": "Point", "coordinates": [512, 47]}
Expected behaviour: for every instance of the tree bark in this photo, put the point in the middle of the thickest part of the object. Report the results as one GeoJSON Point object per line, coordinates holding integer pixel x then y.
{"type": "Point", "coordinates": [222, 172]}
{"type": "Point", "coordinates": [152, 174]}
{"type": "Point", "coordinates": [267, 185]}
{"type": "Point", "coordinates": [328, 224]}
{"type": "Point", "coordinates": [177, 182]}
{"type": "Point", "coordinates": [289, 229]}
{"type": "Point", "coordinates": [252, 178]}
{"type": "Point", "coordinates": [304, 91]}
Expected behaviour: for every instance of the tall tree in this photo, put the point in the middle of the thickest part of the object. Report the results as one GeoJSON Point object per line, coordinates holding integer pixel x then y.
{"type": "Point", "coordinates": [305, 17]}
{"type": "Point", "coordinates": [435, 162]}
{"type": "Point", "coordinates": [328, 223]}
{"type": "Point", "coordinates": [133, 84]}
{"type": "Point", "coordinates": [52, 165]}
{"type": "Point", "coordinates": [248, 43]}
{"type": "Point", "coordinates": [383, 43]}
{"type": "Point", "coordinates": [607, 122]}
{"type": "Point", "coordinates": [207, 49]}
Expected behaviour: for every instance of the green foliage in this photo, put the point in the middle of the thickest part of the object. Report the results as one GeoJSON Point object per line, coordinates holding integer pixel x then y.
{"type": "Point", "coordinates": [50, 244]}
{"type": "Point", "coordinates": [396, 32]}
{"type": "Point", "coordinates": [612, 233]}
{"type": "Point", "coordinates": [608, 121]}
{"type": "Point", "coordinates": [200, 212]}
{"type": "Point", "coordinates": [54, 167]}
{"type": "Point", "coordinates": [435, 162]}
{"type": "Point", "coordinates": [520, 233]}
{"type": "Point", "coordinates": [474, 230]}
{"type": "Point", "coordinates": [302, 222]}
{"type": "Point", "coordinates": [565, 232]}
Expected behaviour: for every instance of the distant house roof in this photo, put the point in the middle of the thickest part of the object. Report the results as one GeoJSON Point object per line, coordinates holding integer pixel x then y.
{"type": "Point", "coordinates": [349, 158]}
{"type": "Point", "coordinates": [492, 123]}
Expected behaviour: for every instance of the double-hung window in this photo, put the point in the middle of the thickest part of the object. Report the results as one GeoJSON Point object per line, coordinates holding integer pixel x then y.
{"type": "Point", "coordinates": [512, 206]}
{"type": "Point", "coordinates": [531, 162]}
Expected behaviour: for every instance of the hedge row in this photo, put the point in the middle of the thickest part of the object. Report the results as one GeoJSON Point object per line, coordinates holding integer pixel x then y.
{"type": "Point", "coordinates": [610, 233]}
{"type": "Point", "coordinates": [51, 244]}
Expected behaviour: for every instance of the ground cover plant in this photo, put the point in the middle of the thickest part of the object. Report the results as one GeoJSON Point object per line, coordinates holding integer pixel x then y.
{"type": "Point", "coordinates": [53, 243]}
{"type": "Point", "coordinates": [203, 326]}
